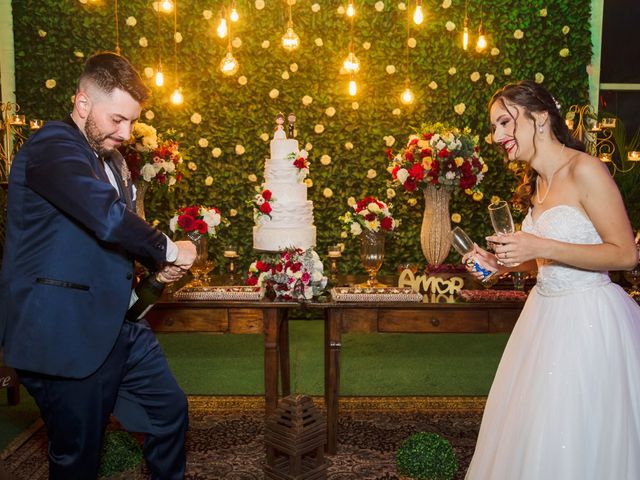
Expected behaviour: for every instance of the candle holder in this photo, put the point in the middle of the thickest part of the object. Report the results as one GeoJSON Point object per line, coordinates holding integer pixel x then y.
{"type": "Point", "coordinates": [12, 128]}
{"type": "Point", "coordinates": [334, 254]}
{"type": "Point", "coordinates": [231, 254]}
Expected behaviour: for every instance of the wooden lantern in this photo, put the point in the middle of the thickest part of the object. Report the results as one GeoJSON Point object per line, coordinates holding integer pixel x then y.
{"type": "Point", "coordinates": [295, 436]}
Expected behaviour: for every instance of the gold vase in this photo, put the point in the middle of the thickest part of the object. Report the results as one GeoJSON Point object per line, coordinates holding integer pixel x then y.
{"type": "Point", "coordinates": [436, 225]}
{"type": "Point", "coordinates": [372, 255]}
{"type": "Point", "coordinates": [141, 190]}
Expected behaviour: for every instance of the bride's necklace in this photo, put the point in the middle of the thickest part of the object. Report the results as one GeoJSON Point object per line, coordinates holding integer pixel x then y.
{"type": "Point", "coordinates": [548, 183]}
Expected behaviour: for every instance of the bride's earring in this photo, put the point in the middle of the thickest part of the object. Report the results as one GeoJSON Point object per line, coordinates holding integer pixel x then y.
{"type": "Point", "coordinates": [541, 128]}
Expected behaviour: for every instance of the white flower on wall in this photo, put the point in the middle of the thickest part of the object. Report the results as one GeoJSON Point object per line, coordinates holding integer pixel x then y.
{"type": "Point", "coordinates": [293, 67]}
{"type": "Point", "coordinates": [396, 111]}
{"type": "Point", "coordinates": [51, 83]}
{"type": "Point", "coordinates": [264, 136]}
{"type": "Point", "coordinates": [539, 78]}
{"type": "Point", "coordinates": [265, 44]}
{"type": "Point", "coordinates": [389, 140]}
{"type": "Point", "coordinates": [42, 33]}
{"type": "Point", "coordinates": [518, 34]}
{"type": "Point", "coordinates": [340, 10]}
{"type": "Point", "coordinates": [348, 145]}
{"type": "Point", "coordinates": [233, 212]}
{"type": "Point", "coordinates": [495, 51]}
{"type": "Point", "coordinates": [203, 142]}
{"type": "Point", "coordinates": [355, 105]}
{"type": "Point", "coordinates": [411, 42]}
{"type": "Point", "coordinates": [391, 69]}
{"type": "Point", "coordinates": [196, 118]}
{"type": "Point", "coordinates": [285, 75]}
{"type": "Point", "coordinates": [306, 100]}
{"type": "Point", "coordinates": [131, 21]}
{"type": "Point", "coordinates": [450, 26]}
{"type": "Point", "coordinates": [149, 115]}
{"type": "Point", "coordinates": [252, 177]}
{"type": "Point", "coordinates": [566, 29]}
{"type": "Point", "coordinates": [259, 4]}
{"type": "Point", "coordinates": [319, 128]}
{"type": "Point", "coordinates": [391, 193]}
{"type": "Point", "coordinates": [239, 149]}
{"type": "Point", "coordinates": [453, 71]}
{"type": "Point", "coordinates": [216, 152]}
{"type": "Point", "coordinates": [308, 182]}
{"type": "Point", "coordinates": [459, 108]}
{"type": "Point", "coordinates": [351, 201]}
{"type": "Point", "coordinates": [330, 112]}
{"type": "Point", "coordinates": [379, 6]}
{"type": "Point", "coordinates": [489, 78]}
{"type": "Point", "coordinates": [274, 93]}
{"type": "Point", "coordinates": [242, 80]}
{"type": "Point", "coordinates": [402, 6]}
{"type": "Point", "coordinates": [433, 85]}
{"type": "Point", "coordinates": [315, 8]}
{"type": "Point", "coordinates": [148, 72]}
{"type": "Point", "coordinates": [564, 52]}
{"type": "Point", "coordinates": [208, 181]}
{"type": "Point", "coordinates": [308, 146]}
{"type": "Point", "coordinates": [325, 159]}
{"type": "Point", "coordinates": [543, 12]}
{"type": "Point", "coordinates": [192, 166]}
{"type": "Point", "coordinates": [207, 14]}
{"type": "Point", "coordinates": [475, 76]}
{"type": "Point", "coordinates": [327, 192]}
{"type": "Point", "coordinates": [371, 173]}
{"type": "Point", "coordinates": [177, 37]}
{"type": "Point", "coordinates": [507, 71]}
{"type": "Point", "coordinates": [366, 45]}
{"type": "Point", "coordinates": [237, 42]}
{"type": "Point", "coordinates": [143, 42]}
{"type": "Point", "coordinates": [318, 41]}
{"type": "Point", "coordinates": [446, 4]}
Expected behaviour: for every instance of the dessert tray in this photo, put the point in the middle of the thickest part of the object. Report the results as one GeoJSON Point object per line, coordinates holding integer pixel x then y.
{"type": "Point", "coordinates": [232, 292]}
{"type": "Point", "coordinates": [492, 295]}
{"type": "Point", "coordinates": [375, 294]}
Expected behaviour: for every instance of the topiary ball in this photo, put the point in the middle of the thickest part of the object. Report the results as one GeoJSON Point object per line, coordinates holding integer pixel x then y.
{"type": "Point", "coordinates": [120, 452]}
{"type": "Point", "coordinates": [426, 456]}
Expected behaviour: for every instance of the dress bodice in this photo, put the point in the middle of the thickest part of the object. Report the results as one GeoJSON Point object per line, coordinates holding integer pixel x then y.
{"type": "Point", "coordinates": [565, 224]}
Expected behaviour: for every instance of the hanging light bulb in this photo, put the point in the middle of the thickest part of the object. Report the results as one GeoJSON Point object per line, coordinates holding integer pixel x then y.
{"type": "Point", "coordinates": [233, 16]}
{"type": "Point", "coordinates": [176, 97]}
{"type": "Point", "coordinates": [482, 41]}
{"type": "Point", "coordinates": [353, 87]}
{"type": "Point", "coordinates": [351, 11]}
{"type": "Point", "coordinates": [229, 65]}
{"type": "Point", "coordinates": [222, 29]}
{"type": "Point", "coordinates": [351, 63]}
{"type": "Point", "coordinates": [407, 96]}
{"type": "Point", "coordinates": [159, 77]}
{"type": "Point", "coordinates": [465, 34]}
{"type": "Point", "coordinates": [290, 40]}
{"type": "Point", "coordinates": [166, 6]}
{"type": "Point", "coordinates": [418, 16]}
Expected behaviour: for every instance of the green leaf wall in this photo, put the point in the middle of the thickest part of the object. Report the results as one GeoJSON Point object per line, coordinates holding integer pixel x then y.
{"type": "Point", "coordinates": [234, 114]}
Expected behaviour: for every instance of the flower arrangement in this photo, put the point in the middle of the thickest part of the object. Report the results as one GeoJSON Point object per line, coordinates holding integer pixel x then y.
{"type": "Point", "coordinates": [441, 156]}
{"type": "Point", "coordinates": [197, 219]}
{"type": "Point", "coordinates": [301, 162]}
{"type": "Point", "coordinates": [262, 205]}
{"type": "Point", "coordinates": [291, 275]}
{"type": "Point", "coordinates": [369, 213]}
{"type": "Point", "coordinates": [154, 158]}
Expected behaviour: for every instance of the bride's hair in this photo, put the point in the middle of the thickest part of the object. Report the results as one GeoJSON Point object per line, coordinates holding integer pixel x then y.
{"type": "Point", "coordinates": [532, 97]}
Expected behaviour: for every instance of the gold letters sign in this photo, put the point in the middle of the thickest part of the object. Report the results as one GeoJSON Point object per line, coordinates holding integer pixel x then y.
{"type": "Point", "coordinates": [430, 284]}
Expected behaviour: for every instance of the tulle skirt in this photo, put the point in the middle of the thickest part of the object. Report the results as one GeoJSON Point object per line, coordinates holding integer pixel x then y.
{"type": "Point", "coordinates": [565, 402]}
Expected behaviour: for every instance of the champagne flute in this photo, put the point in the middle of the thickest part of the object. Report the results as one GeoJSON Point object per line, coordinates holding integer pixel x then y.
{"type": "Point", "coordinates": [464, 246]}
{"type": "Point", "coordinates": [502, 222]}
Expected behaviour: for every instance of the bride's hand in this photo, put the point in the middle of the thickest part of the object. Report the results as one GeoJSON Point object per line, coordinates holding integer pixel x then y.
{"type": "Point", "coordinates": [516, 247]}
{"type": "Point", "coordinates": [485, 259]}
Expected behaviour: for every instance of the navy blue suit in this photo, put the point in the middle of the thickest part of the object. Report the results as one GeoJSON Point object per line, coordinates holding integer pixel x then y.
{"type": "Point", "coordinates": [65, 286]}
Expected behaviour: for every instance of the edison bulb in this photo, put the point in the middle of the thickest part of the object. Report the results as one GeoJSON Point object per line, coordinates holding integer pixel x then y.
{"type": "Point", "coordinates": [290, 40]}
{"type": "Point", "coordinates": [407, 96]}
{"type": "Point", "coordinates": [353, 88]}
{"type": "Point", "coordinates": [222, 29]}
{"type": "Point", "coordinates": [229, 65]}
{"type": "Point", "coordinates": [159, 78]}
{"type": "Point", "coordinates": [482, 42]}
{"type": "Point", "coordinates": [418, 16]}
{"type": "Point", "coordinates": [176, 97]}
{"type": "Point", "coordinates": [233, 16]}
{"type": "Point", "coordinates": [351, 63]}
{"type": "Point", "coordinates": [166, 6]}
{"type": "Point", "coordinates": [465, 38]}
{"type": "Point", "coordinates": [350, 10]}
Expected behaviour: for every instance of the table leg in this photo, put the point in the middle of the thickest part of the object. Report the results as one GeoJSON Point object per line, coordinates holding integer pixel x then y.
{"type": "Point", "coordinates": [270, 318]}
{"type": "Point", "coordinates": [332, 346]}
{"type": "Point", "coordinates": [283, 346]}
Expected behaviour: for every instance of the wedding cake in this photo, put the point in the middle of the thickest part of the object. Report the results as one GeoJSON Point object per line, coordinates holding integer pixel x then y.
{"type": "Point", "coordinates": [284, 216]}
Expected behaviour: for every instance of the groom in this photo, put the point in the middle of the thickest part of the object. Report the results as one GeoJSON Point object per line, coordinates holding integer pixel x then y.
{"type": "Point", "coordinates": [66, 283]}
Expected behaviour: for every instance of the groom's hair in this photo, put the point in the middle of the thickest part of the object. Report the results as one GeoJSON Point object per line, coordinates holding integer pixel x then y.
{"type": "Point", "coordinates": [108, 71]}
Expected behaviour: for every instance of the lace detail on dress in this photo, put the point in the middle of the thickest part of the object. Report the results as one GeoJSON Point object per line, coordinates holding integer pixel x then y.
{"type": "Point", "coordinates": [566, 224]}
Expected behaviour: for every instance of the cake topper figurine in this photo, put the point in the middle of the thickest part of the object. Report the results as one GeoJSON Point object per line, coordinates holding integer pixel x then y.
{"type": "Point", "coordinates": [279, 130]}
{"type": "Point", "coordinates": [292, 121]}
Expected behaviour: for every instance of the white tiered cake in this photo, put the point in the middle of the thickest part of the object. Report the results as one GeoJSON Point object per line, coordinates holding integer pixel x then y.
{"type": "Point", "coordinates": [290, 222]}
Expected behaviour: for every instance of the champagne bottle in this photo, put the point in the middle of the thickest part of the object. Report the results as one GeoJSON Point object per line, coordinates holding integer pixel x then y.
{"type": "Point", "coordinates": [146, 293]}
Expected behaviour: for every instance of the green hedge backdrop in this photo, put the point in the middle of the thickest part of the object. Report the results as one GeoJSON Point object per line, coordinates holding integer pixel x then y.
{"type": "Point", "coordinates": [53, 38]}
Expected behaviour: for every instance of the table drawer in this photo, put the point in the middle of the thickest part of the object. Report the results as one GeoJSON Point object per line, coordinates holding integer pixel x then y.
{"type": "Point", "coordinates": [188, 320]}
{"type": "Point", "coordinates": [433, 321]}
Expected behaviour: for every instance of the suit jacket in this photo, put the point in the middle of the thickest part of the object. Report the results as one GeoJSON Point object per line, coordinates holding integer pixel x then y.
{"type": "Point", "coordinates": [68, 259]}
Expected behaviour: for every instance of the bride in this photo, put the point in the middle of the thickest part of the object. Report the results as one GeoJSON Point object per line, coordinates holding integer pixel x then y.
{"type": "Point", "coordinates": [565, 401]}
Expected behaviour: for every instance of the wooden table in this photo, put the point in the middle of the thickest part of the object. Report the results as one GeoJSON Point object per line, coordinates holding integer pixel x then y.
{"type": "Point", "coordinates": [401, 318]}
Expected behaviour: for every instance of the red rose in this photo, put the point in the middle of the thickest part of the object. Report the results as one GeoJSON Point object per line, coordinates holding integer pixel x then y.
{"type": "Point", "coordinates": [192, 211]}
{"type": "Point", "coordinates": [267, 195]}
{"type": "Point", "coordinates": [413, 141]}
{"type": "Point", "coordinates": [389, 154]}
{"type": "Point", "coordinates": [417, 172]}
{"type": "Point", "coordinates": [468, 181]}
{"type": "Point", "coordinates": [265, 208]}
{"type": "Point", "coordinates": [426, 152]}
{"type": "Point", "coordinates": [394, 172]}
{"type": "Point", "coordinates": [428, 136]}
{"type": "Point", "coordinates": [386, 223]}
{"type": "Point", "coordinates": [370, 217]}
{"type": "Point", "coordinates": [410, 185]}
{"type": "Point", "coordinates": [408, 155]}
{"type": "Point", "coordinates": [201, 226]}
{"type": "Point", "coordinates": [300, 163]}
{"type": "Point", "coordinates": [187, 222]}
{"type": "Point", "coordinates": [444, 153]}
{"type": "Point", "coordinates": [162, 178]}
{"type": "Point", "coordinates": [262, 266]}
{"type": "Point", "coordinates": [251, 280]}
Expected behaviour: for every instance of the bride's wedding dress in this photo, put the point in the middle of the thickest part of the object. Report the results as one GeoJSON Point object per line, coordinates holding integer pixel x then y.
{"type": "Point", "coordinates": [565, 402]}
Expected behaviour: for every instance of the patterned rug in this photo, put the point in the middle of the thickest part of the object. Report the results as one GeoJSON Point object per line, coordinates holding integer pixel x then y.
{"type": "Point", "coordinates": [225, 439]}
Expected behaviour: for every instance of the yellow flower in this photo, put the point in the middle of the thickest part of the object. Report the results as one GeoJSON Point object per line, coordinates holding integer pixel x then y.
{"type": "Point", "coordinates": [412, 202]}
{"type": "Point", "coordinates": [518, 34]}
{"type": "Point", "coordinates": [513, 166]}
{"type": "Point", "coordinates": [308, 182]}
{"type": "Point", "coordinates": [485, 168]}
{"type": "Point", "coordinates": [192, 166]}
{"type": "Point", "coordinates": [477, 196]}
{"type": "Point", "coordinates": [327, 192]}
{"type": "Point", "coordinates": [208, 181]}
{"type": "Point", "coordinates": [495, 199]}
{"type": "Point", "coordinates": [564, 52]}
{"type": "Point", "coordinates": [468, 191]}
{"type": "Point", "coordinates": [456, 218]}
{"type": "Point", "coordinates": [459, 161]}
{"type": "Point", "coordinates": [426, 163]}
{"type": "Point", "coordinates": [330, 112]}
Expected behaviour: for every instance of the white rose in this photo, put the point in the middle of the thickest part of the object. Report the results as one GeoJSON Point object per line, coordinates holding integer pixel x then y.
{"type": "Point", "coordinates": [131, 21]}
{"type": "Point", "coordinates": [402, 175]}
{"type": "Point", "coordinates": [389, 140]}
{"type": "Point", "coordinates": [216, 152]}
{"type": "Point", "coordinates": [148, 72]}
{"type": "Point", "coordinates": [379, 6]}
{"type": "Point", "coordinates": [396, 111]}
{"type": "Point", "coordinates": [518, 34]}
{"type": "Point", "coordinates": [391, 193]}
{"type": "Point", "coordinates": [391, 69]}
{"type": "Point", "coordinates": [264, 136]}
{"type": "Point", "coordinates": [306, 100]}
{"type": "Point", "coordinates": [356, 229]}
{"type": "Point", "coordinates": [325, 159]}
{"type": "Point", "coordinates": [348, 146]}
{"type": "Point", "coordinates": [355, 105]}
{"type": "Point", "coordinates": [315, 8]}
{"type": "Point", "coordinates": [316, 276]}
{"type": "Point", "coordinates": [412, 42]}
{"type": "Point", "coordinates": [489, 78]}
{"type": "Point", "coordinates": [475, 76]}
{"type": "Point", "coordinates": [191, 166]}
{"type": "Point", "coordinates": [42, 33]}
{"type": "Point", "coordinates": [143, 42]}
{"type": "Point", "coordinates": [319, 128]}
{"type": "Point", "coordinates": [327, 192]}
{"type": "Point", "coordinates": [308, 182]}
{"type": "Point", "coordinates": [148, 171]}
{"type": "Point", "coordinates": [211, 218]}
{"type": "Point", "coordinates": [265, 44]}
{"type": "Point", "coordinates": [450, 26]}
{"type": "Point", "coordinates": [239, 149]}
{"type": "Point", "coordinates": [78, 54]}
{"type": "Point", "coordinates": [149, 115]}
{"type": "Point", "coordinates": [564, 52]}
{"type": "Point", "coordinates": [203, 142]}
{"type": "Point", "coordinates": [308, 146]}
{"type": "Point", "coordinates": [178, 37]}
{"type": "Point", "coordinates": [237, 42]}
{"type": "Point", "coordinates": [207, 14]}
{"type": "Point", "coordinates": [330, 112]}
{"type": "Point", "coordinates": [285, 75]}
{"type": "Point", "coordinates": [233, 212]}
{"type": "Point", "coordinates": [566, 29]}
{"type": "Point", "coordinates": [318, 41]}
{"type": "Point", "coordinates": [242, 80]}
{"type": "Point", "coordinates": [446, 4]}
{"type": "Point", "coordinates": [252, 177]}
{"type": "Point", "coordinates": [293, 67]}
{"type": "Point", "coordinates": [507, 71]}
{"type": "Point", "coordinates": [173, 223]}
{"type": "Point", "coordinates": [539, 78]}
{"type": "Point", "coordinates": [51, 83]}
{"type": "Point", "coordinates": [274, 93]}
{"type": "Point", "coordinates": [459, 108]}
{"type": "Point", "coordinates": [543, 12]}
{"type": "Point", "coordinates": [340, 10]}
{"type": "Point", "coordinates": [453, 71]}
{"type": "Point", "coordinates": [433, 85]}
{"type": "Point", "coordinates": [196, 118]}
{"type": "Point", "coordinates": [259, 4]}
{"type": "Point", "coordinates": [402, 6]}
{"type": "Point", "coordinates": [208, 181]}
{"type": "Point", "coordinates": [371, 173]}
{"type": "Point", "coordinates": [366, 45]}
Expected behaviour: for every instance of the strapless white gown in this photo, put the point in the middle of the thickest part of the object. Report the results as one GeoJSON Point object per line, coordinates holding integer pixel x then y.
{"type": "Point", "coordinates": [565, 401]}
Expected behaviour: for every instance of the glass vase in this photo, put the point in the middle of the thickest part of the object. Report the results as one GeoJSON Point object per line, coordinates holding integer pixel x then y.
{"type": "Point", "coordinates": [372, 255]}
{"type": "Point", "coordinates": [436, 225]}
{"type": "Point", "coordinates": [201, 265]}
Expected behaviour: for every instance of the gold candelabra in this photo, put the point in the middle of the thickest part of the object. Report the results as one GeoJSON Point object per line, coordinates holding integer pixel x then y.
{"type": "Point", "coordinates": [12, 127]}
{"type": "Point", "coordinates": [598, 136]}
